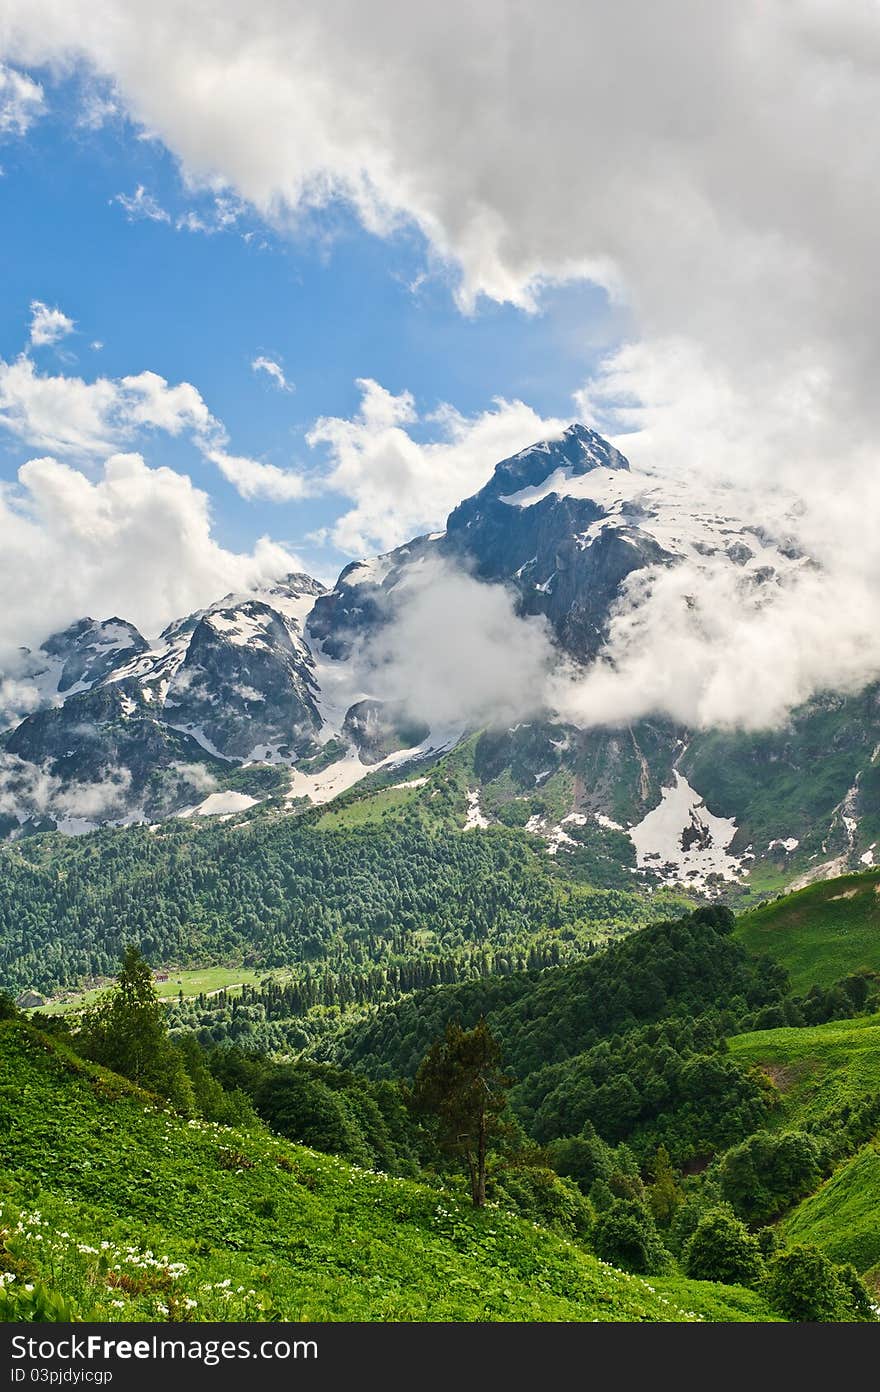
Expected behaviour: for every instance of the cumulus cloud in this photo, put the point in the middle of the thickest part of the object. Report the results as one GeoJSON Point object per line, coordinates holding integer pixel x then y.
{"type": "Point", "coordinates": [70, 416]}
{"type": "Point", "coordinates": [136, 541]}
{"type": "Point", "coordinates": [253, 479]}
{"type": "Point", "coordinates": [715, 169]}
{"type": "Point", "coordinates": [273, 370]}
{"type": "Point", "coordinates": [401, 486]}
{"type": "Point", "coordinates": [456, 654]}
{"type": "Point", "coordinates": [132, 540]}
{"type": "Point", "coordinates": [48, 326]}
{"type": "Point", "coordinates": [21, 101]}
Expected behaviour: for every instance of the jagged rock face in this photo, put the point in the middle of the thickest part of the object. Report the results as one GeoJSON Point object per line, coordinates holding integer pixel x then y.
{"type": "Point", "coordinates": [142, 729]}
{"type": "Point", "coordinates": [101, 756]}
{"type": "Point", "coordinates": [359, 603]}
{"type": "Point", "coordinates": [544, 547]}
{"type": "Point", "coordinates": [246, 684]}
{"type": "Point", "coordinates": [377, 730]}
{"type": "Point", "coordinates": [89, 651]}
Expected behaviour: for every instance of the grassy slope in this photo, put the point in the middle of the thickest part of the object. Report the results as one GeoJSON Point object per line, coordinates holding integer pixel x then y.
{"type": "Point", "coordinates": [816, 1068]}
{"type": "Point", "coordinates": [136, 1214]}
{"type": "Point", "coordinates": [843, 1217]}
{"type": "Point", "coordinates": [820, 933]}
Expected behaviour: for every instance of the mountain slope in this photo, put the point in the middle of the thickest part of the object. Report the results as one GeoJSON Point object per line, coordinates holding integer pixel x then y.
{"type": "Point", "coordinates": [843, 1217]}
{"type": "Point", "coordinates": [822, 932]}
{"type": "Point", "coordinates": [133, 1213]}
{"type": "Point", "coordinates": [133, 732]}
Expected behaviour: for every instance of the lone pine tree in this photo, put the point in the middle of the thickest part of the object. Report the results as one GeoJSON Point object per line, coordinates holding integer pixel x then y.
{"type": "Point", "coordinates": [460, 1083]}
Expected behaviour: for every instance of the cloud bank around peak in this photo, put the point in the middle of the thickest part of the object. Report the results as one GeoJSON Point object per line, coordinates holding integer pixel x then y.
{"type": "Point", "coordinates": [456, 654]}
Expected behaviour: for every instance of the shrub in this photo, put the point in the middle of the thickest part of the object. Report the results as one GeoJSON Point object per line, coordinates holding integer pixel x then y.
{"type": "Point", "coordinates": [767, 1172]}
{"type": "Point", "coordinates": [626, 1236]}
{"type": "Point", "coordinates": [805, 1287]}
{"type": "Point", "coordinates": [300, 1105]}
{"type": "Point", "coordinates": [546, 1198]}
{"type": "Point", "coordinates": [584, 1158]}
{"type": "Point", "coordinates": [8, 1008]}
{"type": "Point", "coordinates": [228, 1158]}
{"type": "Point", "coordinates": [722, 1249]}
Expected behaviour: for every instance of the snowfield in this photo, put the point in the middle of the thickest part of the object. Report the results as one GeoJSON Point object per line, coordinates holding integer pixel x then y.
{"type": "Point", "coordinates": [683, 842]}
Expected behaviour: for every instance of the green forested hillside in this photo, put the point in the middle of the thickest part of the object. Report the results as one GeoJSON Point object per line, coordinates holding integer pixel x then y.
{"type": "Point", "coordinates": [279, 892]}
{"type": "Point", "coordinates": [653, 1047]}
{"type": "Point", "coordinates": [681, 967]}
{"type": "Point", "coordinates": [115, 1208]}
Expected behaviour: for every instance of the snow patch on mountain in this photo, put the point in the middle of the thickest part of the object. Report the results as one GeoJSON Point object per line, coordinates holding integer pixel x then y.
{"type": "Point", "coordinates": [475, 816]}
{"type": "Point", "coordinates": [682, 842]}
{"type": "Point", "coordinates": [683, 517]}
{"type": "Point", "coordinates": [221, 804]}
{"type": "Point", "coordinates": [338, 777]}
{"type": "Point", "coordinates": [784, 843]}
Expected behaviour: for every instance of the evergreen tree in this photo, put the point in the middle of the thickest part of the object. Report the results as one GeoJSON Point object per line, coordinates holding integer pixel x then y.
{"type": "Point", "coordinates": [460, 1084]}
{"type": "Point", "coordinates": [664, 1195]}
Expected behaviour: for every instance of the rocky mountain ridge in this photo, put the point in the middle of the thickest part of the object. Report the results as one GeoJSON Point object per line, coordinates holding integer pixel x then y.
{"type": "Point", "coordinates": [268, 694]}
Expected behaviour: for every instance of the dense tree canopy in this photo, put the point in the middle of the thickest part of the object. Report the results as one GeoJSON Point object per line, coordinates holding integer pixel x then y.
{"type": "Point", "coordinates": [369, 911]}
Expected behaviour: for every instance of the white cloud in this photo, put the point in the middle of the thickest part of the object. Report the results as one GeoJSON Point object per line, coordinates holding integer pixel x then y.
{"type": "Point", "coordinates": [253, 479]}
{"type": "Point", "coordinates": [456, 654]}
{"type": "Point", "coordinates": [67, 415]}
{"type": "Point", "coordinates": [273, 370]}
{"type": "Point", "coordinates": [97, 108]}
{"type": "Point", "coordinates": [197, 776]}
{"type": "Point", "coordinates": [698, 644]}
{"type": "Point", "coordinates": [137, 541]}
{"type": "Point", "coordinates": [81, 420]}
{"type": "Point", "coordinates": [31, 790]}
{"type": "Point", "coordinates": [21, 101]}
{"type": "Point", "coordinates": [401, 486]}
{"type": "Point", "coordinates": [64, 415]}
{"type": "Point", "coordinates": [18, 697]}
{"type": "Point", "coordinates": [141, 205]}
{"type": "Point", "coordinates": [717, 170]}
{"type": "Point", "coordinates": [48, 326]}
{"type": "Point", "coordinates": [147, 400]}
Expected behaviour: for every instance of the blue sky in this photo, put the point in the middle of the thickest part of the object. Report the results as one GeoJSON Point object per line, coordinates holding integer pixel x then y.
{"type": "Point", "coordinates": [326, 300]}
